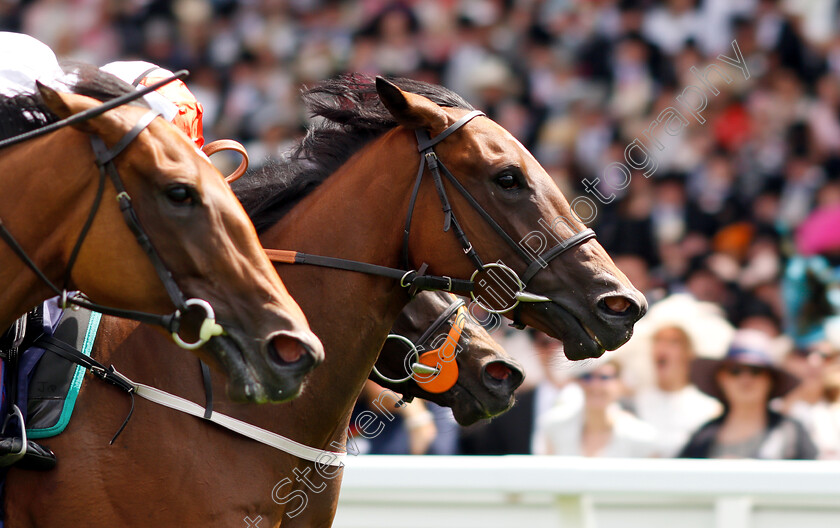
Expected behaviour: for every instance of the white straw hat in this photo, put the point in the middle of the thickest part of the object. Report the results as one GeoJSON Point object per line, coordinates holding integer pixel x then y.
{"type": "Point", "coordinates": [708, 331]}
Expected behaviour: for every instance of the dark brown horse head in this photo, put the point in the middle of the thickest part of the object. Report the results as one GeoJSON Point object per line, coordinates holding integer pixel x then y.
{"type": "Point", "coordinates": [483, 377]}
{"type": "Point", "coordinates": [587, 302]}
{"type": "Point", "coordinates": [202, 235]}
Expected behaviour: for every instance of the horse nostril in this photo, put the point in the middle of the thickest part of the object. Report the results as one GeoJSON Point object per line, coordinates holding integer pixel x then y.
{"type": "Point", "coordinates": [618, 304]}
{"type": "Point", "coordinates": [502, 377]}
{"type": "Point", "coordinates": [288, 349]}
{"type": "Point", "coordinates": [498, 371]}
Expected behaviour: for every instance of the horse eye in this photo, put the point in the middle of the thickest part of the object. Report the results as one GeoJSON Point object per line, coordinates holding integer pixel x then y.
{"type": "Point", "coordinates": [508, 181]}
{"type": "Point", "coordinates": [180, 195]}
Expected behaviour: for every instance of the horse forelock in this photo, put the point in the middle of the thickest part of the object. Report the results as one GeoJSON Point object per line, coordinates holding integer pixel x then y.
{"type": "Point", "coordinates": [27, 111]}
{"type": "Point", "coordinates": [22, 113]}
{"type": "Point", "coordinates": [348, 115]}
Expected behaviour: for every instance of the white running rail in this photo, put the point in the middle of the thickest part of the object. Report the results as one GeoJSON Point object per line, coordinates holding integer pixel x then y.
{"type": "Point", "coordinates": [537, 492]}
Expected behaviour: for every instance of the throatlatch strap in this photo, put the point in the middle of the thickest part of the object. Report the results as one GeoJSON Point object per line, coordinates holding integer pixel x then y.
{"type": "Point", "coordinates": [410, 212]}
{"type": "Point", "coordinates": [97, 200]}
{"type": "Point", "coordinates": [21, 253]}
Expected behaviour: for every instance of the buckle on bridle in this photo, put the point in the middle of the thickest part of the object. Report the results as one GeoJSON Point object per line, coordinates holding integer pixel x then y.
{"type": "Point", "coordinates": [402, 280]}
{"type": "Point", "coordinates": [209, 327]}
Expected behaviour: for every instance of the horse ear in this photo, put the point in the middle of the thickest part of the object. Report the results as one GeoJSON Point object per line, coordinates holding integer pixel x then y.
{"type": "Point", "coordinates": [411, 110]}
{"type": "Point", "coordinates": [62, 105]}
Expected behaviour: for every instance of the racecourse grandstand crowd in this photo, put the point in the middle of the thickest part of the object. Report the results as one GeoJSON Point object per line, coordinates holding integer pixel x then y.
{"type": "Point", "coordinates": [704, 135]}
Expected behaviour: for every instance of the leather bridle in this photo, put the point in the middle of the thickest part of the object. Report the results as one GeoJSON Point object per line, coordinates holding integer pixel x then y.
{"type": "Point", "coordinates": [105, 161]}
{"type": "Point", "coordinates": [417, 280]}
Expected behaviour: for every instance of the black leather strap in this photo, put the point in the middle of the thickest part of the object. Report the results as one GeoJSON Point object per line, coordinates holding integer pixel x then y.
{"type": "Point", "coordinates": [208, 390]}
{"type": "Point", "coordinates": [97, 200]}
{"type": "Point", "coordinates": [24, 257]}
{"type": "Point", "coordinates": [133, 223]}
{"type": "Point", "coordinates": [137, 80]}
{"type": "Point", "coordinates": [105, 155]}
{"type": "Point", "coordinates": [68, 352]}
{"type": "Point", "coordinates": [484, 214]}
{"type": "Point", "coordinates": [406, 278]}
{"type": "Point", "coordinates": [556, 251]}
{"type": "Point", "coordinates": [430, 143]}
{"type": "Point", "coordinates": [441, 319]}
{"type": "Point", "coordinates": [411, 202]}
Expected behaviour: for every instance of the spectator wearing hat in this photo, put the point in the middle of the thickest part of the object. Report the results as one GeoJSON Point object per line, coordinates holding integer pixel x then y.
{"type": "Point", "coordinates": [658, 362]}
{"type": "Point", "coordinates": [745, 381]}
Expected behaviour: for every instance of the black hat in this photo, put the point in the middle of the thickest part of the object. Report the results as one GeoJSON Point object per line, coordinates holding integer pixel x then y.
{"type": "Point", "coordinates": [749, 347]}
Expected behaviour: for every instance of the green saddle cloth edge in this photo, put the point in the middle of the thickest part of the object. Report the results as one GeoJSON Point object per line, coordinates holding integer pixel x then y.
{"type": "Point", "coordinates": [75, 385]}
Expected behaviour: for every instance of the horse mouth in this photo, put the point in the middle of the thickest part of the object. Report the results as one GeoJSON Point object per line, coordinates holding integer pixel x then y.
{"type": "Point", "coordinates": [467, 408]}
{"type": "Point", "coordinates": [579, 341]}
{"type": "Point", "coordinates": [254, 375]}
{"type": "Point", "coordinates": [592, 335]}
{"type": "Point", "coordinates": [242, 382]}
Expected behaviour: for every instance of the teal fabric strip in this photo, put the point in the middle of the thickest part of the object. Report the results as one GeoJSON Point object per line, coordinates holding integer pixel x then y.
{"type": "Point", "coordinates": [75, 385]}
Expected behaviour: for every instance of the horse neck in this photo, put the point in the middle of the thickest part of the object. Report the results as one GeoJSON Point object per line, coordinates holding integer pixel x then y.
{"type": "Point", "coordinates": [358, 214]}
{"type": "Point", "coordinates": [44, 208]}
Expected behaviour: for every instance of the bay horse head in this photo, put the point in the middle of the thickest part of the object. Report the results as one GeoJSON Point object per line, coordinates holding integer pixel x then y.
{"type": "Point", "coordinates": [191, 226]}
{"type": "Point", "coordinates": [470, 372]}
{"type": "Point", "coordinates": [496, 198]}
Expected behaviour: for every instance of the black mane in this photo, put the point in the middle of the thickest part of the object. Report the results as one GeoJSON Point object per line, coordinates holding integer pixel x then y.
{"type": "Point", "coordinates": [351, 116]}
{"type": "Point", "coordinates": [27, 111]}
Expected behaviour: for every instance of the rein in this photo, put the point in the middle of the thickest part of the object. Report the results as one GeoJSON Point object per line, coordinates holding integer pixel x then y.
{"type": "Point", "coordinates": [417, 280]}
{"type": "Point", "coordinates": [105, 162]}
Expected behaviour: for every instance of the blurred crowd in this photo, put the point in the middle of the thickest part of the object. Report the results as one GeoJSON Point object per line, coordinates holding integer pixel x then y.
{"type": "Point", "coordinates": [732, 231]}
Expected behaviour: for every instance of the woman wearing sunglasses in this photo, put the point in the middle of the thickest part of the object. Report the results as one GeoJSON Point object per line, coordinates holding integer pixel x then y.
{"type": "Point", "coordinates": [601, 428]}
{"type": "Point", "coordinates": [745, 381]}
